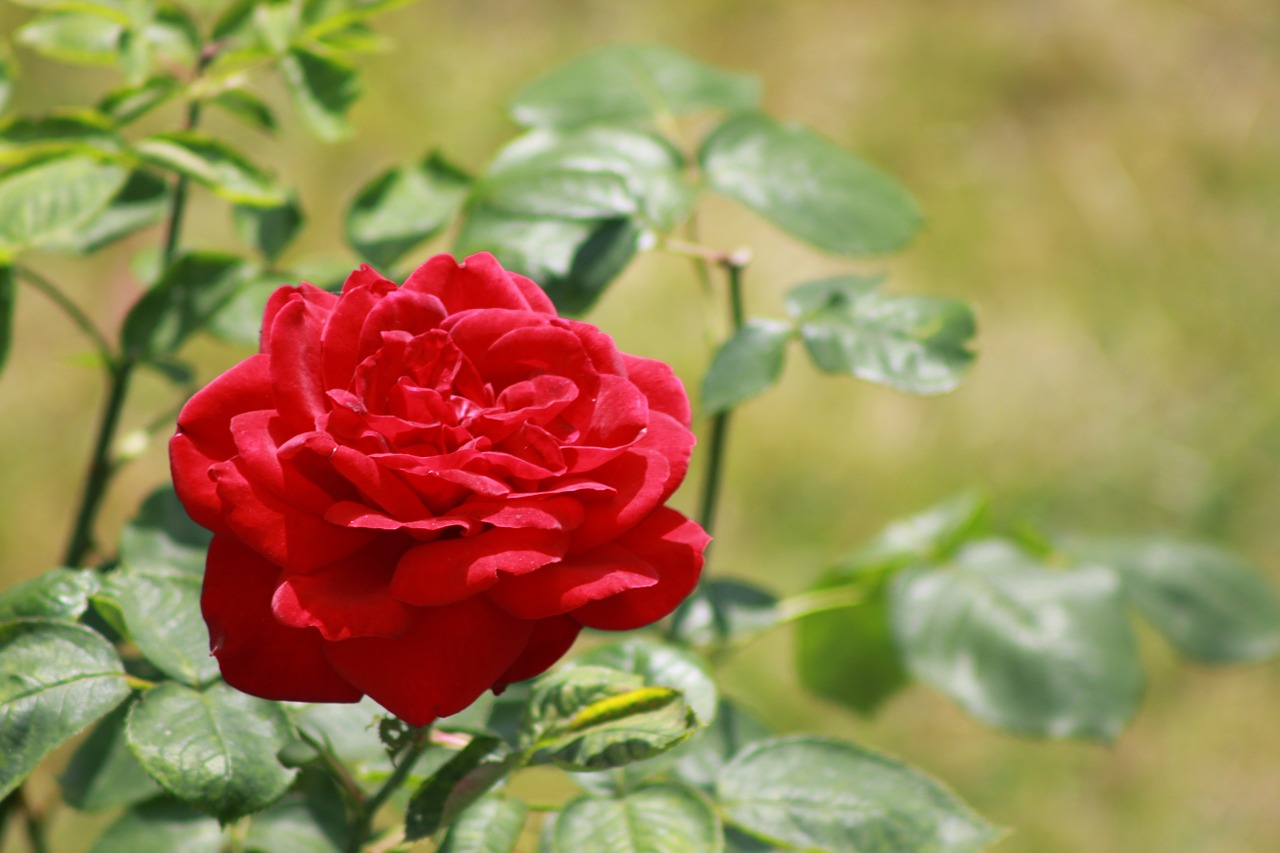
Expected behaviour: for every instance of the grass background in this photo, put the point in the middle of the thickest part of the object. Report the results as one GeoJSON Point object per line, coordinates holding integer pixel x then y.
{"type": "Point", "coordinates": [1102, 181]}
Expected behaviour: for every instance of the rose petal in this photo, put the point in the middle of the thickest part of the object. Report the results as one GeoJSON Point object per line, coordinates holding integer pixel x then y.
{"type": "Point", "coordinates": [296, 383]}
{"type": "Point", "coordinates": [259, 458]}
{"type": "Point", "coordinates": [450, 570]}
{"type": "Point", "coordinates": [348, 598]}
{"type": "Point", "coordinates": [478, 282]}
{"type": "Point", "coordinates": [639, 478]}
{"type": "Point", "coordinates": [551, 639]}
{"type": "Point", "coordinates": [340, 339]}
{"type": "Point", "coordinates": [378, 485]}
{"type": "Point", "coordinates": [568, 585]}
{"type": "Point", "coordinates": [206, 418]}
{"type": "Point", "coordinates": [282, 296]}
{"type": "Point", "coordinates": [660, 384]}
{"type": "Point", "coordinates": [255, 652]}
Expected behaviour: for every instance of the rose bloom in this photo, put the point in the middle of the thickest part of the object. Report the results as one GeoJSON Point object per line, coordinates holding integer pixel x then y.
{"type": "Point", "coordinates": [425, 491]}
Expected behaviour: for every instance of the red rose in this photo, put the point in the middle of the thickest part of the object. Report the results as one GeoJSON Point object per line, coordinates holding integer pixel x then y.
{"type": "Point", "coordinates": [423, 492]}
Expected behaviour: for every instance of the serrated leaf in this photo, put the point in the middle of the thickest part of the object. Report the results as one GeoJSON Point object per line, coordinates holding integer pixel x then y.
{"type": "Point", "coordinates": [817, 793]}
{"type": "Point", "coordinates": [1211, 605]}
{"type": "Point", "coordinates": [140, 203]}
{"type": "Point", "coordinates": [56, 594]}
{"type": "Point", "coordinates": [312, 818]}
{"type": "Point", "coordinates": [213, 163]}
{"type": "Point", "coordinates": [628, 82]}
{"type": "Point", "coordinates": [490, 825]}
{"type": "Point", "coordinates": [1021, 646]}
{"type": "Point", "coordinates": [268, 229]}
{"type": "Point", "coordinates": [808, 186]}
{"type": "Point", "coordinates": [747, 364]}
{"type": "Point", "coordinates": [403, 207]}
{"type": "Point", "coordinates": [162, 614]}
{"type": "Point", "coordinates": [46, 201]}
{"type": "Point", "coordinates": [162, 537]}
{"type": "Point", "coordinates": [214, 749]}
{"type": "Point", "coordinates": [660, 665]}
{"type": "Point", "coordinates": [652, 819]}
{"type": "Point", "coordinates": [323, 89]}
{"type": "Point", "coordinates": [161, 826]}
{"type": "Point", "coordinates": [130, 103]}
{"type": "Point", "coordinates": [194, 288]}
{"type": "Point", "coordinates": [73, 37]}
{"type": "Point", "coordinates": [55, 679]}
{"type": "Point", "coordinates": [724, 611]}
{"type": "Point", "coordinates": [103, 773]}
{"type": "Point", "coordinates": [917, 344]}
{"type": "Point", "coordinates": [458, 783]}
{"type": "Point", "coordinates": [247, 107]}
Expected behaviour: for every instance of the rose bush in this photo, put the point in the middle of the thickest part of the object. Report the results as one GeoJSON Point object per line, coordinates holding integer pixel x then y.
{"type": "Point", "coordinates": [422, 492]}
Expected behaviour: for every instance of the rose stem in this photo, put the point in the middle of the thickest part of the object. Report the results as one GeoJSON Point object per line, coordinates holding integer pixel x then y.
{"type": "Point", "coordinates": [364, 822]}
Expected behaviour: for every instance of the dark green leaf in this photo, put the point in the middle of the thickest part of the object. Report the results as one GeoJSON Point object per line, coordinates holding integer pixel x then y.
{"type": "Point", "coordinates": [71, 131]}
{"type": "Point", "coordinates": [916, 344]}
{"type": "Point", "coordinates": [194, 288]}
{"type": "Point", "coordinates": [268, 229]}
{"type": "Point", "coordinates": [174, 34]}
{"type": "Point", "coordinates": [46, 201]}
{"type": "Point", "coordinates": [660, 665]}
{"type": "Point", "coordinates": [749, 362]}
{"type": "Point", "coordinates": [1021, 646]}
{"type": "Point", "coordinates": [809, 186]}
{"type": "Point", "coordinates": [247, 107]}
{"type": "Point", "coordinates": [724, 611]}
{"type": "Point", "coordinates": [626, 82]}
{"type": "Point", "coordinates": [56, 594]}
{"type": "Point", "coordinates": [162, 614]}
{"type": "Point", "coordinates": [323, 89]}
{"type": "Point", "coordinates": [457, 784]}
{"type": "Point", "coordinates": [133, 102]}
{"type": "Point", "coordinates": [8, 300]}
{"type": "Point", "coordinates": [239, 321]}
{"type": "Point", "coordinates": [214, 164]}
{"type": "Point", "coordinates": [161, 826]}
{"type": "Point", "coordinates": [73, 37]}
{"type": "Point", "coordinates": [652, 819]}
{"type": "Point", "coordinates": [490, 825]}
{"type": "Point", "coordinates": [816, 793]}
{"type": "Point", "coordinates": [403, 207]}
{"type": "Point", "coordinates": [140, 203]}
{"type": "Point", "coordinates": [1213, 606]}
{"type": "Point", "coordinates": [699, 760]}
{"type": "Point", "coordinates": [234, 20]}
{"type": "Point", "coordinates": [213, 749]}
{"type": "Point", "coordinates": [55, 679]}
{"type": "Point", "coordinates": [163, 538]}
{"type": "Point", "coordinates": [312, 818]}
{"type": "Point", "coordinates": [103, 773]}
{"type": "Point", "coordinates": [592, 718]}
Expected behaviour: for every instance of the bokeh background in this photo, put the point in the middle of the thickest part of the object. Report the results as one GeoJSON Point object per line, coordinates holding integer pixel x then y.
{"type": "Point", "coordinates": [1101, 179]}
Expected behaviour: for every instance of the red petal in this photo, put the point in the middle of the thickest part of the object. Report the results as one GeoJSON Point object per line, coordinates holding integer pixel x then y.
{"type": "Point", "coordinates": [660, 384]}
{"type": "Point", "coordinates": [341, 336]}
{"type": "Point", "coordinates": [478, 282]}
{"type": "Point", "coordinates": [350, 598]}
{"type": "Point", "coordinates": [551, 639]}
{"type": "Point", "coordinates": [562, 587]}
{"type": "Point", "coordinates": [296, 383]}
{"type": "Point", "coordinates": [255, 652]}
{"type": "Point", "coordinates": [206, 418]}
{"type": "Point", "coordinates": [309, 293]}
{"type": "Point", "coordinates": [450, 570]}
{"type": "Point", "coordinates": [639, 479]}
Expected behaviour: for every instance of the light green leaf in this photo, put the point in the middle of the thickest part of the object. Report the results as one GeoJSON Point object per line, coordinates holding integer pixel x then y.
{"type": "Point", "coordinates": [627, 82]}
{"type": "Point", "coordinates": [747, 364]}
{"type": "Point", "coordinates": [930, 536]}
{"type": "Point", "coordinates": [325, 20]}
{"type": "Point", "coordinates": [213, 749]}
{"type": "Point", "coordinates": [808, 186]}
{"type": "Point", "coordinates": [214, 164]}
{"type": "Point", "coordinates": [84, 132]}
{"type": "Point", "coordinates": [323, 89]}
{"type": "Point", "coordinates": [490, 825]}
{"type": "Point", "coordinates": [74, 37]}
{"type": "Point", "coordinates": [1213, 606]}
{"type": "Point", "coordinates": [652, 819]}
{"type": "Point", "coordinates": [55, 679]}
{"type": "Point", "coordinates": [458, 783]}
{"type": "Point", "coordinates": [161, 826]}
{"type": "Point", "coordinates": [247, 107]}
{"type": "Point", "coordinates": [162, 614]}
{"type": "Point", "coordinates": [816, 793]}
{"type": "Point", "coordinates": [140, 203]}
{"type": "Point", "coordinates": [347, 730]}
{"type": "Point", "coordinates": [1021, 646]}
{"type": "Point", "coordinates": [174, 35]}
{"type": "Point", "coordinates": [268, 229]}
{"type": "Point", "coordinates": [194, 288]}
{"type": "Point", "coordinates": [660, 665]}
{"type": "Point", "coordinates": [916, 344]}
{"type": "Point", "coordinates": [103, 773]}
{"type": "Point", "coordinates": [162, 538]}
{"type": "Point", "coordinates": [312, 818]}
{"type": "Point", "coordinates": [46, 201]}
{"type": "Point", "coordinates": [239, 321]}
{"type": "Point", "coordinates": [724, 611]}
{"type": "Point", "coordinates": [111, 9]}
{"type": "Point", "coordinates": [56, 594]}
{"type": "Point", "coordinates": [699, 760]}
{"type": "Point", "coordinates": [404, 207]}
{"type": "Point", "coordinates": [130, 103]}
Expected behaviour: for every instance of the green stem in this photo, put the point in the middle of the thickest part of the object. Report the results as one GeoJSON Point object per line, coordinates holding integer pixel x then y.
{"type": "Point", "coordinates": [351, 793]}
{"type": "Point", "coordinates": [101, 466]}
{"type": "Point", "coordinates": [820, 600]}
{"type": "Point", "coordinates": [733, 266]}
{"type": "Point", "coordinates": [81, 319]}
{"type": "Point", "coordinates": [364, 823]}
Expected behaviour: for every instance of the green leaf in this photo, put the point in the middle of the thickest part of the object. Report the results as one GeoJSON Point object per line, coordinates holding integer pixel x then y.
{"type": "Point", "coordinates": [312, 818]}
{"type": "Point", "coordinates": [131, 103]}
{"type": "Point", "coordinates": [573, 261]}
{"type": "Point", "coordinates": [214, 164]}
{"type": "Point", "coordinates": [8, 298]}
{"type": "Point", "coordinates": [161, 826]}
{"type": "Point", "coordinates": [660, 665]}
{"type": "Point", "coordinates": [699, 760]}
{"type": "Point", "coordinates": [239, 321]}
{"type": "Point", "coordinates": [347, 730]}
{"type": "Point", "coordinates": [326, 19]}
{"type": "Point", "coordinates": [268, 229]}
{"type": "Point", "coordinates": [627, 82]}
{"type": "Point", "coordinates": [1021, 646]}
{"type": "Point", "coordinates": [111, 9]}
{"type": "Point", "coordinates": [247, 107]}
{"type": "Point", "coordinates": [67, 132]}
{"type": "Point", "coordinates": [73, 37]}
{"type": "Point", "coordinates": [816, 793]}
{"type": "Point", "coordinates": [323, 89]}
{"type": "Point", "coordinates": [163, 538]}
{"type": "Point", "coordinates": [652, 819]}
{"type": "Point", "coordinates": [6, 81]}
{"type": "Point", "coordinates": [1213, 606]}
{"type": "Point", "coordinates": [490, 825]}
{"type": "Point", "coordinates": [403, 207]}
{"type": "Point", "coordinates": [56, 594]}
{"type": "Point", "coordinates": [46, 201]}
{"type": "Point", "coordinates": [747, 364]}
{"type": "Point", "coordinates": [592, 718]}
{"type": "Point", "coordinates": [214, 749]}
{"type": "Point", "coordinates": [724, 611]}
{"type": "Point", "coordinates": [916, 344]}
{"type": "Point", "coordinates": [174, 35]}
{"type": "Point", "coordinates": [458, 783]}
{"type": "Point", "coordinates": [276, 22]}
{"type": "Point", "coordinates": [808, 186]}
{"type": "Point", "coordinates": [140, 203]}
{"type": "Point", "coordinates": [162, 614]}
{"type": "Point", "coordinates": [590, 173]}
{"type": "Point", "coordinates": [194, 288]}
{"type": "Point", "coordinates": [55, 679]}
{"type": "Point", "coordinates": [103, 773]}
{"type": "Point", "coordinates": [930, 536]}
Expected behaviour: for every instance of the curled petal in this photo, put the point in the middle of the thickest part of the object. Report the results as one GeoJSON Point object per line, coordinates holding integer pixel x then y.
{"type": "Point", "coordinates": [348, 598]}
{"type": "Point", "coordinates": [477, 282]}
{"type": "Point", "coordinates": [568, 585]}
{"type": "Point", "coordinates": [450, 570]}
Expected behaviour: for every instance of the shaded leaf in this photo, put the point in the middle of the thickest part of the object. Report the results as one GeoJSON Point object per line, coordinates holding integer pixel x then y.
{"type": "Point", "coordinates": [8, 300]}
{"type": "Point", "coordinates": [161, 826]}
{"type": "Point", "coordinates": [458, 783]}
{"type": "Point", "coordinates": [64, 132]}
{"type": "Point", "coordinates": [699, 760]}
{"type": "Point", "coordinates": [323, 89]}
{"type": "Point", "coordinates": [652, 819]}
{"type": "Point", "coordinates": [162, 614]}
{"type": "Point", "coordinates": [141, 202]}
{"type": "Point", "coordinates": [660, 665]}
{"type": "Point", "coordinates": [103, 773]}
{"type": "Point", "coordinates": [56, 594]}
{"type": "Point", "coordinates": [747, 364]}
{"type": "Point", "coordinates": [194, 287]}
{"type": "Point", "coordinates": [403, 207]}
{"type": "Point", "coordinates": [130, 103]}
{"type": "Point", "coordinates": [6, 81]}
{"type": "Point", "coordinates": [490, 825]}
{"type": "Point", "coordinates": [247, 107]}
{"type": "Point", "coordinates": [162, 537]}
{"type": "Point", "coordinates": [808, 186]}
{"type": "Point", "coordinates": [312, 818]}
{"type": "Point", "coordinates": [347, 730]}
{"type": "Point", "coordinates": [213, 163]}
{"type": "Point", "coordinates": [44, 202]}
{"type": "Point", "coordinates": [268, 229]}
{"type": "Point", "coordinates": [724, 611]}
{"type": "Point", "coordinates": [239, 320]}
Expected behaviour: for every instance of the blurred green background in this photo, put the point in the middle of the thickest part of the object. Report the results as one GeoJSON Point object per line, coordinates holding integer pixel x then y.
{"type": "Point", "coordinates": [1102, 181]}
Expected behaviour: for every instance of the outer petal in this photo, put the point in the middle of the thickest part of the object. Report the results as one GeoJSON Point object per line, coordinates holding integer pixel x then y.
{"type": "Point", "coordinates": [673, 546]}
{"type": "Point", "coordinates": [255, 652]}
{"type": "Point", "coordinates": [296, 381]}
{"type": "Point", "coordinates": [661, 385]}
{"type": "Point", "coordinates": [309, 293]}
{"type": "Point", "coordinates": [350, 598]}
{"type": "Point", "coordinates": [478, 282]}
{"type": "Point", "coordinates": [551, 639]}
{"type": "Point", "coordinates": [440, 665]}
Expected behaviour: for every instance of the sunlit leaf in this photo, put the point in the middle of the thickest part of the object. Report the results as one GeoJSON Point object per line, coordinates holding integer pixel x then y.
{"type": "Point", "coordinates": [660, 665]}
{"type": "Point", "coordinates": [491, 825]}
{"type": "Point", "coordinates": [73, 37]}
{"type": "Point", "coordinates": [103, 773]}
{"type": "Point", "coordinates": [44, 202]}
{"type": "Point", "coordinates": [214, 163]}
{"type": "Point", "coordinates": [247, 107]}
{"type": "Point", "coordinates": [140, 203]}
{"type": "Point", "coordinates": [323, 89]}
{"type": "Point", "coordinates": [56, 594]}
{"type": "Point", "coordinates": [652, 819]}
{"type": "Point", "coordinates": [404, 207]}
